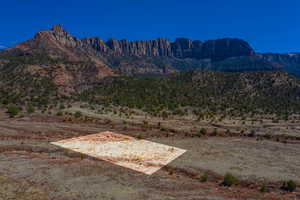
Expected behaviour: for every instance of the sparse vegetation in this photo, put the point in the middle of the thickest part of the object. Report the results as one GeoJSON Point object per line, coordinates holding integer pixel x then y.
{"type": "Point", "coordinates": [30, 109]}
{"type": "Point", "coordinates": [264, 189]}
{"type": "Point", "coordinates": [289, 186]}
{"type": "Point", "coordinates": [202, 132]}
{"type": "Point", "coordinates": [230, 180]}
{"type": "Point", "coordinates": [204, 177]}
{"type": "Point", "coordinates": [13, 110]}
{"type": "Point", "coordinates": [59, 113]}
{"type": "Point", "coordinates": [78, 114]}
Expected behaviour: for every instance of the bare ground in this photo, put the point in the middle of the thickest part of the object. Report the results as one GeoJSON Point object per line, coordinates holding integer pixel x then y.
{"type": "Point", "coordinates": [43, 171]}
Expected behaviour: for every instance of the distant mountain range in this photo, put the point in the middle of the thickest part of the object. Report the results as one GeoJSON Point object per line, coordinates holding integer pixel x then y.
{"type": "Point", "coordinates": [74, 62]}
{"type": "Point", "coordinates": [215, 76]}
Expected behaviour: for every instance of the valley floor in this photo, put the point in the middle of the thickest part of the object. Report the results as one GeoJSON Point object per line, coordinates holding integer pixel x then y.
{"type": "Point", "coordinates": [32, 168]}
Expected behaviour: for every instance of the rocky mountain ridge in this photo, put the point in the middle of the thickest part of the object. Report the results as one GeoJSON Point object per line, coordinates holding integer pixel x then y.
{"type": "Point", "coordinates": [181, 48]}
{"type": "Point", "coordinates": [86, 61]}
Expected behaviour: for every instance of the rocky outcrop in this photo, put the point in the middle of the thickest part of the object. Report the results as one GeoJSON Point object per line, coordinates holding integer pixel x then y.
{"type": "Point", "coordinates": [58, 34]}
{"type": "Point", "coordinates": [74, 60]}
{"type": "Point", "coordinates": [158, 47]}
{"type": "Point", "coordinates": [186, 48]}
{"type": "Point", "coordinates": [225, 48]}
{"type": "Point", "coordinates": [97, 44]}
{"type": "Point", "coordinates": [180, 48]}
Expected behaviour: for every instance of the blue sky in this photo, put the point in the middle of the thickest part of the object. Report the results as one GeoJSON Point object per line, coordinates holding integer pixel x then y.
{"type": "Point", "coordinates": [268, 25]}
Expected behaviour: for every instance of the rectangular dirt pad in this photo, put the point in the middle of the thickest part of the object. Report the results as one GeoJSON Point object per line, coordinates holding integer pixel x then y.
{"type": "Point", "coordinates": [140, 155]}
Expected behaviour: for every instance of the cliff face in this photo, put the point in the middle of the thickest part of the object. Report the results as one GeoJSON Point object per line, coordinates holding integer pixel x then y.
{"type": "Point", "coordinates": [159, 47]}
{"type": "Point", "coordinates": [186, 48]}
{"type": "Point", "coordinates": [97, 44]}
{"type": "Point", "coordinates": [180, 48]}
{"type": "Point", "coordinates": [226, 48]}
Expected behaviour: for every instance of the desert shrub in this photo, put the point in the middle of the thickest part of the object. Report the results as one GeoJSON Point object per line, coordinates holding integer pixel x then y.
{"type": "Point", "coordinates": [289, 186]}
{"type": "Point", "coordinates": [230, 180]}
{"type": "Point", "coordinates": [203, 131]}
{"type": "Point", "coordinates": [204, 177]}
{"type": "Point", "coordinates": [13, 111]}
{"type": "Point", "coordinates": [30, 109]}
{"type": "Point", "coordinates": [82, 156]}
{"type": "Point", "coordinates": [163, 129]}
{"type": "Point", "coordinates": [164, 115]}
{"type": "Point", "coordinates": [77, 114]}
{"type": "Point", "coordinates": [221, 134]}
{"type": "Point", "coordinates": [62, 106]}
{"type": "Point", "coordinates": [215, 132]}
{"type": "Point", "coordinates": [252, 133]}
{"type": "Point", "coordinates": [227, 132]}
{"type": "Point", "coordinates": [59, 114]}
{"type": "Point", "coordinates": [264, 189]}
{"type": "Point", "coordinates": [158, 124]}
{"type": "Point", "coordinates": [268, 136]}
{"type": "Point", "coordinates": [145, 122]}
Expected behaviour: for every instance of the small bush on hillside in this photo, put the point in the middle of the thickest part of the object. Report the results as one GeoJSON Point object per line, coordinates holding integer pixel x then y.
{"type": "Point", "coordinates": [252, 133]}
{"type": "Point", "coordinates": [59, 114]}
{"type": "Point", "coordinates": [203, 131]}
{"type": "Point", "coordinates": [289, 186]}
{"type": "Point", "coordinates": [264, 189]}
{"type": "Point", "coordinates": [204, 177]}
{"type": "Point", "coordinates": [158, 124]}
{"type": "Point", "coordinates": [227, 132]}
{"type": "Point", "coordinates": [13, 111]}
{"type": "Point", "coordinates": [77, 114]}
{"type": "Point", "coordinates": [230, 180]}
{"type": "Point", "coordinates": [215, 132]}
{"type": "Point", "coordinates": [30, 109]}
{"type": "Point", "coordinates": [62, 106]}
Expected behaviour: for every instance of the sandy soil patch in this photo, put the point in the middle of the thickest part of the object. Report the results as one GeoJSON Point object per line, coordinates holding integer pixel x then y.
{"type": "Point", "coordinates": [140, 155]}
